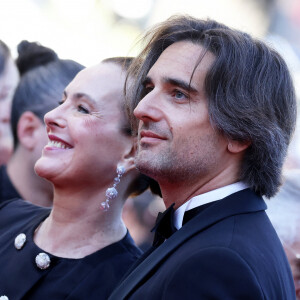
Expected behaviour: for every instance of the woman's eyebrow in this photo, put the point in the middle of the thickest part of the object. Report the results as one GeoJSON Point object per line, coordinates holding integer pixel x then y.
{"type": "Point", "coordinates": [81, 95]}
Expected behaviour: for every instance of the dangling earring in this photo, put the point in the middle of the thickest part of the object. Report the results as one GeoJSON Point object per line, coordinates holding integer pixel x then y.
{"type": "Point", "coordinates": [112, 193]}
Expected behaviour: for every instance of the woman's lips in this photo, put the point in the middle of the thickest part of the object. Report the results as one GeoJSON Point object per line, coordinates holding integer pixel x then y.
{"type": "Point", "coordinates": [55, 142]}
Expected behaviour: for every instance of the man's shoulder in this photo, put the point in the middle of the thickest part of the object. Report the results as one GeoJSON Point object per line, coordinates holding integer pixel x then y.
{"type": "Point", "coordinates": [241, 265]}
{"type": "Point", "coordinates": [247, 233]}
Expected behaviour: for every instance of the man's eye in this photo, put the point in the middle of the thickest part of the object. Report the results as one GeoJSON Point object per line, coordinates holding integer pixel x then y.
{"type": "Point", "coordinates": [83, 110]}
{"type": "Point", "coordinates": [179, 95]}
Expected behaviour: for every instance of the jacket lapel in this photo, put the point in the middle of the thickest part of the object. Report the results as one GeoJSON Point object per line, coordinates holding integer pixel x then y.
{"type": "Point", "coordinates": [245, 201]}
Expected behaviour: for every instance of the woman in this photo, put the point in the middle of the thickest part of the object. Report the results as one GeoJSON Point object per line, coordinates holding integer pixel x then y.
{"type": "Point", "coordinates": [9, 78]}
{"type": "Point", "coordinates": [81, 248]}
{"type": "Point", "coordinates": [43, 78]}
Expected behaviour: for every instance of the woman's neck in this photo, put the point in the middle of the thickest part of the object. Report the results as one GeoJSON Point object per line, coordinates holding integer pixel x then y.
{"type": "Point", "coordinates": [77, 227]}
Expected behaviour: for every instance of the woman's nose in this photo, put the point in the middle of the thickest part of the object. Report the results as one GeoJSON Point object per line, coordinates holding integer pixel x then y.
{"type": "Point", "coordinates": [55, 118]}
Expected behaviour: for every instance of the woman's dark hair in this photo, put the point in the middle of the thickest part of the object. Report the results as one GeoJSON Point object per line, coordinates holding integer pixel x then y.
{"type": "Point", "coordinates": [250, 92]}
{"type": "Point", "coordinates": [4, 55]}
{"type": "Point", "coordinates": [142, 182]}
{"type": "Point", "coordinates": [43, 79]}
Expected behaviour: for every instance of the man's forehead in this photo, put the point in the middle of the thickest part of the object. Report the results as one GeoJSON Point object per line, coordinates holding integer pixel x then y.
{"type": "Point", "coordinates": [184, 61]}
{"type": "Point", "coordinates": [184, 56]}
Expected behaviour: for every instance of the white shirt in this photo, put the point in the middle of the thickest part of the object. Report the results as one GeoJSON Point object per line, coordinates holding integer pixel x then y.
{"type": "Point", "coordinates": [208, 197]}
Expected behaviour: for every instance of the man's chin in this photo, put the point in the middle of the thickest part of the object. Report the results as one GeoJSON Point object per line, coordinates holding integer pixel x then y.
{"type": "Point", "coordinates": [149, 168]}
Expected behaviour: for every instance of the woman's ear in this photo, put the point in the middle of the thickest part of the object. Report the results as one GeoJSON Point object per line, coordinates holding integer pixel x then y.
{"type": "Point", "coordinates": [26, 128]}
{"type": "Point", "coordinates": [235, 147]}
{"type": "Point", "coordinates": [129, 156]}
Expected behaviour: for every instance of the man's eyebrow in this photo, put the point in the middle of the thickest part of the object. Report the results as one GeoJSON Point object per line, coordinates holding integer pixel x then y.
{"type": "Point", "coordinates": [181, 84]}
{"type": "Point", "coordinates": [173, 81]}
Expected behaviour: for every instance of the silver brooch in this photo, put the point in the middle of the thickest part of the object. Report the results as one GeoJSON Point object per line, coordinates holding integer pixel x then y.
{"type": "Point", "coordinates": [20, 240]}
{"type": "Point", "coordinates": [42, 260]}
{"type": "Point", "coordinates": [4, 298]}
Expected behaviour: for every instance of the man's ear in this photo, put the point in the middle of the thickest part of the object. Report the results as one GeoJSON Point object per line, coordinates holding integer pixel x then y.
{"type": "Point", "coordinates": [237, 146]}
{"type": "Point", "coordinates": [129, 155]}
{"type": "Point", "coordinates": [26, 129]}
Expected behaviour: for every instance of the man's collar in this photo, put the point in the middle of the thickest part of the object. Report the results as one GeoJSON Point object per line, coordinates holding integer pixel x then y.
{"type": "Point", "coordinates": [208, 197]}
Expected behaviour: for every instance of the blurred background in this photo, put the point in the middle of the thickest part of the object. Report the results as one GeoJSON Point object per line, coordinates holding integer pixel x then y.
{"type": "Point", "coordinates": [91, 30]}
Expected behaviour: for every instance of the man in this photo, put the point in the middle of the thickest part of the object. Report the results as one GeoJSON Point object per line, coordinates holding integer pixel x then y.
{"type": "Point", "coordinates": [216, 111]}
{"type": "Point", "coordinates": [43, 79]}
{"type": "Point", "coordinates": [284, 213]}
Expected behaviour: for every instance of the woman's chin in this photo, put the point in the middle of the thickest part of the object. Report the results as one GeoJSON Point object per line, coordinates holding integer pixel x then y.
{"type": "Point", "coordinates": [43, 169]}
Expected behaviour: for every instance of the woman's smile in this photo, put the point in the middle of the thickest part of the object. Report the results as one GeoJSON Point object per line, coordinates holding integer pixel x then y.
{"type": "Point", "coordinates": [55, 142]}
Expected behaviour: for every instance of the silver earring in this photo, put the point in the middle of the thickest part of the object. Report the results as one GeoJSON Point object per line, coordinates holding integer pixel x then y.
{"type": "Point", "coordinates": [112, 193]}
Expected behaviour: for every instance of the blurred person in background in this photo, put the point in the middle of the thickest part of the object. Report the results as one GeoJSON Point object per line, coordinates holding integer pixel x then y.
{"type": "Point", "coordinates": [43, 79]}
{"type": "Point", "coordinates": [9, 77]}
{"type": "Point", "coordinates": [284, 213]}
{"type": "Point", "coordinates": [80, 248]}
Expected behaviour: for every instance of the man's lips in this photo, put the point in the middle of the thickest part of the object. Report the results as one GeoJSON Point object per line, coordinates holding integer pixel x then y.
{"type": "Point", "coordinates": [149, 135]}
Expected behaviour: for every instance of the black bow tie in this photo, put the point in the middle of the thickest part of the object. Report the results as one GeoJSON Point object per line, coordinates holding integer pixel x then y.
{"type": "Point", "coordinates": [164, 226]}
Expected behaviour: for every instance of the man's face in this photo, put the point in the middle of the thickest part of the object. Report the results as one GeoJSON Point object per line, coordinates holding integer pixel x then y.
{"type": "Point", "coordinates": [176, 141]}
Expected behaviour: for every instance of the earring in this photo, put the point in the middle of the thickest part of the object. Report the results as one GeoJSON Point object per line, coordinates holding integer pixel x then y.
{"type": "Point", "coordinates": [112, 193]}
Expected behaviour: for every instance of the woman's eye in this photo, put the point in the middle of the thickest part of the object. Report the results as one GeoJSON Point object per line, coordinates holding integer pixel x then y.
{"type": "Point", "coordinates": [61, 102]}
{"type": "Point", "coordinates": [83, 110]}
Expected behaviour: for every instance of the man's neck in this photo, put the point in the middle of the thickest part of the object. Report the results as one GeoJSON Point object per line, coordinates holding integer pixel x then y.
{"type": "Point", "coordinates": [183, 191]}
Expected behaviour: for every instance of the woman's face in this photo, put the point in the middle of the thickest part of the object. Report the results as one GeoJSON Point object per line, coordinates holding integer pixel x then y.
{"type": "Point", "coordinates": [87, 131]}
{"type": "Point", "coordinates": [9, 79]}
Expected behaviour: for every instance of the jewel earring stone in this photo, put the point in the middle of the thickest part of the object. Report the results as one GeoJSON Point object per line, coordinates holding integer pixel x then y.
{"type": "Point", "coordinates": [112, 193]}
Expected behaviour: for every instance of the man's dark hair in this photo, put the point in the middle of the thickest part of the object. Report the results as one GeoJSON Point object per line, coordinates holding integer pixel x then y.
{"type": "Point", "coordinates": [43, 79]}
{"type": "Point", "coordinates": [142, 182]}
{"type": "Point", "coordinates": [4, 55]}
{"type": "Point", "coordinates": [249, 89]}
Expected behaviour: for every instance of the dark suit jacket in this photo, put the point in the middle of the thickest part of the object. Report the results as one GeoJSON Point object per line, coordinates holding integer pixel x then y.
{"type": "Point", "coordinates": [228, 251]}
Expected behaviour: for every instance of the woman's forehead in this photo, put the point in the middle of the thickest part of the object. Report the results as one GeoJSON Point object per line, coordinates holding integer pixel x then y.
{"type": "Point", "coordinates": [103, 83]}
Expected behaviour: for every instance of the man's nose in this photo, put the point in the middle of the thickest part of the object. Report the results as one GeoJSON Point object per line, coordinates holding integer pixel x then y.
{"type": "Point", "coordinates": [149, 108]}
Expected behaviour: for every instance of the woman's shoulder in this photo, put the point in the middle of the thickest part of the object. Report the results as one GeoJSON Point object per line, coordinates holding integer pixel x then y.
{"type": "Point", "coordinates": [129, 246]}
{"type": "Point", "coordinates": [18, 210]}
